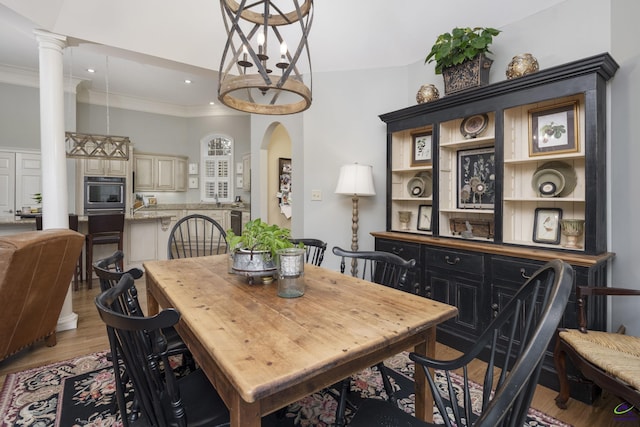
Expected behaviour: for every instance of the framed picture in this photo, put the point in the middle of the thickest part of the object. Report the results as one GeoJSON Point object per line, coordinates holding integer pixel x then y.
{"type": "Point", "coordinates": [546, 225]}
{"type": "Point", "coordinates": [421, 149]}
{"type": "Point", "coordinates": [424, 217]}
{"type": "Point", "coordinates": [554, 130]}
{"type": "Point", "coordinates": [476, 178]}
{"type": "Point", "coordinates": [284, 178]}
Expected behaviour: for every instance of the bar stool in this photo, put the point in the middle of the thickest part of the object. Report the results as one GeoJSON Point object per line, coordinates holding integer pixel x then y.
{"type": "Point", "coordinates": [73, 225]}
{"type": "Point", "coordinates": [103, 229]}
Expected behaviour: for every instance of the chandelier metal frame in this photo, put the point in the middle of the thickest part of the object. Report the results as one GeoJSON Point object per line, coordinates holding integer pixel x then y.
{"type": "Point", "coordinates": [262, 92]}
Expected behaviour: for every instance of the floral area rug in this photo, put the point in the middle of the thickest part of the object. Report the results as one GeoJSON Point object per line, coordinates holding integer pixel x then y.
{"type": "Point", "coordinates": [81, 392]}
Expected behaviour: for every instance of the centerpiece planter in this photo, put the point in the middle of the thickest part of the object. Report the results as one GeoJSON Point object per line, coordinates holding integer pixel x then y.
{"type": "Point", "coordinates": [253, 264]}
{"type": "Point", "coordinates": [470, 74]}
{"type": "Point", "coordinates": [254, 252]}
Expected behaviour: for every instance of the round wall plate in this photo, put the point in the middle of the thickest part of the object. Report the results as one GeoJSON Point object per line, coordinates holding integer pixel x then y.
{"type": "Point", "coordinates": [473, 126]}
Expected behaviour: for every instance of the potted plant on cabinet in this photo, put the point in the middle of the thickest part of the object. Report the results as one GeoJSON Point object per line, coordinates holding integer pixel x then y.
{"type": "Point", "coordinates": [254, 251]}
{"type": "Point", "coordinates": [460, 56]}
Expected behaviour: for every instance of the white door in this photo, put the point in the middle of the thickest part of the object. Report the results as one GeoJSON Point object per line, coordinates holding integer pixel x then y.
{"type": "Point", "coordinates": [28, 179]}
{"type": "Point", "coordinates": [7, 185]}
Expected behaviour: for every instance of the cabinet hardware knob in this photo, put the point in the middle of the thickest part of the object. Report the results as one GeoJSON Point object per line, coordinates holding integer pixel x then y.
{"type": "Point", "coordinates": [427, 291]}
{"type": "Point", "coordinates": [454, 262]}
{"type": "Point", "coordinates": [396, 250]}
{"type": "Point", "coordinates": [524, 275]}
{"type": "Point", "coordinates": [494, 308]}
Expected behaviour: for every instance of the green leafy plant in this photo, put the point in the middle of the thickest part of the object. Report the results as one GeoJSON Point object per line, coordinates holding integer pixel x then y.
{"type": "Point", "coordinates": [257, 235]}
{"type": "Point", "coordinates": [37, 197]}
{"type": "Point", "coordinates": [460, 45]}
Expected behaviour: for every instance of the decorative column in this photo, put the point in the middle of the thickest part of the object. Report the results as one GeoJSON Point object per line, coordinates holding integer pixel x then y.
{"type": "Point", "coordinates": [52, 148]}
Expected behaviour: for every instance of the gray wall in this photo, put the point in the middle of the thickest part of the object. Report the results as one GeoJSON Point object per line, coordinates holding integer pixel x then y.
{"type": "Point", "coordinates": [19, 117]}
{"type": "Point", "coordinates": [163, 134]}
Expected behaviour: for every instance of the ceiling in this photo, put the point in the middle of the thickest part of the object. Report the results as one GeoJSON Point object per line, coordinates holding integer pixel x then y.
{"type": "Point", "coordinates": [144, 52]}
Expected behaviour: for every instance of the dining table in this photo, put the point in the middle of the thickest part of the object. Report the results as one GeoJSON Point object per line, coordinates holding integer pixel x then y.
{"type": "Point", "coordinates": [262, 352]}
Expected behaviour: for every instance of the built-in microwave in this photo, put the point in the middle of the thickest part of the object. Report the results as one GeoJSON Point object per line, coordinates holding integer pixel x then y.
{"type": "Point", "coordinates": [104, 193]}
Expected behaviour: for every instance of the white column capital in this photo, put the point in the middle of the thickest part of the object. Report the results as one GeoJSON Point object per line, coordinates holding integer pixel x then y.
{"type": "Point", "coordinates": [51, 40]}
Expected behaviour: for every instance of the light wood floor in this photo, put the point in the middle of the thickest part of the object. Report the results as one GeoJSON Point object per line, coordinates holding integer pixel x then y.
{"type": "Point", "coordinates": [90, 336]}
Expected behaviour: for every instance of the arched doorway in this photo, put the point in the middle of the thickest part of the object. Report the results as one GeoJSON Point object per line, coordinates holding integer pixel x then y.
{"type": "Point", "coordinates": [277, 154]}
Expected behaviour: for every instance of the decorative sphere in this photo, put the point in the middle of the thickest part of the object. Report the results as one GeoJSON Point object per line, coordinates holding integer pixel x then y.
{"type": "Point", "coordinates": [521, 65]}
{"type": "Point", "coordinates": [427, 93]}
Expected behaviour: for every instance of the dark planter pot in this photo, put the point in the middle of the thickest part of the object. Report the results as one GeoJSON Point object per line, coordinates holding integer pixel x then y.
{"type": "Point", "coordinates": [469, 74]}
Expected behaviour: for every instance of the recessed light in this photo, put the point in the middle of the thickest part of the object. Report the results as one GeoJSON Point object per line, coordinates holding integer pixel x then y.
{"type": "Point", "coordinates": [187, 81]}
{"type": "Point", "coordinates": [212, 103]}
{"type": "Point", "coordinates": [91, 70]}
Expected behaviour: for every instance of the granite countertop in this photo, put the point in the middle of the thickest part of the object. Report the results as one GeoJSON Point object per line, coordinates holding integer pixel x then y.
{"type": "Point", "coordinates": [192, 206]}
{"type": "Point", "coordinates": [147, 213]}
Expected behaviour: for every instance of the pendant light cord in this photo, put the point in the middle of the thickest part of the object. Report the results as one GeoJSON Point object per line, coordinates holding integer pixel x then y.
{"type": "Point", "coordinates": [106, 78]}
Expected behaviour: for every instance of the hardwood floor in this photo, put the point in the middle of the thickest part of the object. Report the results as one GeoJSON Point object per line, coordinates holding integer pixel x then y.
{"type": "Point", "coordinates": [90, 336]}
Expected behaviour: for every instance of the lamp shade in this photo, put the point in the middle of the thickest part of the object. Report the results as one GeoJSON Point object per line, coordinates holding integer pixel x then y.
{"type": "Point", "coordinates": [356, 179]}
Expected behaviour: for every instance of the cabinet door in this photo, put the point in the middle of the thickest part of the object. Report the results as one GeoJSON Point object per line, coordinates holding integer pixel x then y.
{"type": "Point", "coordinates": [115, 168]}
{"type": "Point", "coordinates": [7, 185]}
{"type": "Point", "coordinates": [165, 167]}
{"type": "Point", "coordinates": [181, 175]}
{"type": "Point", "coordinates": [457, 278]}
{"type": "Point", "coordinates": [463, 293]}
{"type": "Point", "coordinates": [144, 173]}
{"type": "Point", "coordinates": [28, 179]}
{"type": "Point", "coordinates": [219, 215]}
{"type": "Point", "coordinates": [94, 167]}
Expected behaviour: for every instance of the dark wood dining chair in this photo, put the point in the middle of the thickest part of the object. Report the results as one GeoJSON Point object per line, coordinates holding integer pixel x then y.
{"type": "Point", "coordinates": [162, 398]}
{"type": "Point", "coordinates": [102, 229]}
{"type": "Point", "coordinates": [314, 248]}
{"type": "Point", "coordinates": [516, 342]}
{"type": "Point", "coordinates": [383, 268]}
{"type": "Point", "coordinates": [109, 273]}
{"type": "Point", "coordinates": [73, 225]}
{"type": "Point", "coordinates": [196, 235]}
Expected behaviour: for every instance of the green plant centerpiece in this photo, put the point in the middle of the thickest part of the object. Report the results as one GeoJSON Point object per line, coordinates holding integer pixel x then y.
{"type": "Point", "coordinates": [254, 251]}
{"type": "Point", "coordinates": [460, 46]}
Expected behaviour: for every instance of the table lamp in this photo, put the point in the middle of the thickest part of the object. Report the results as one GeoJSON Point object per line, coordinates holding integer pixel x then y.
{"type": "Point", "coordinates": [355, 180]}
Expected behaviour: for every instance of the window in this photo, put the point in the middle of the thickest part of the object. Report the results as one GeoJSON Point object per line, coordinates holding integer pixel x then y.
{"type": "Point", "coordinates": [217, 159]}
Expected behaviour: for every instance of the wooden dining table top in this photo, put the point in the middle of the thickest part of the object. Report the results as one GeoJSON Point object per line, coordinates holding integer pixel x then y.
{"type": "Point", "coordinates": [263, 352]}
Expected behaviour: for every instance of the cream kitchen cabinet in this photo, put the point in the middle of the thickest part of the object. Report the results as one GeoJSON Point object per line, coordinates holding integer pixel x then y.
{"type": "Point", "coordinates": [103, 167]}
{"type": "Point", "coordinates": [155, 172]}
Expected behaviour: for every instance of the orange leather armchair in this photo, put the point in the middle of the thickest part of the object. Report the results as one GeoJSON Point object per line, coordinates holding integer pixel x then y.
{"type": "Point", "coordinates": [36, 269]}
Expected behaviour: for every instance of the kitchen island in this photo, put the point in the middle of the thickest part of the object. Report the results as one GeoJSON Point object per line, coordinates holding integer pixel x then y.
{"type": "Point", "coordinates": [146, 232]}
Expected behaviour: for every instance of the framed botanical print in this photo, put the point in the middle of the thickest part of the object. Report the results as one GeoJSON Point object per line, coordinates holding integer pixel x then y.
{"type": "Point", "coordinates": [424, 217]}
{"type": "Point", "coordinates": [421, 149]}
{"type": "Point", "coordinates": [554, 130]}
{"type": "Point", "coordinates": [546, 225]}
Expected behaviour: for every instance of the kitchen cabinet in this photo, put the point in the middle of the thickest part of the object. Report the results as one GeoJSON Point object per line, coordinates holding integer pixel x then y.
{"type": "Point", "coordinates": [20, 180]}
{"type": "Point", "coordinates": [221, 216]}
{"type": "Point", "coordinates": [467, 168]}
{"type": "Point", "coordinates": [104, 167]}
{"type": "Point", "coordinates": [155, 172]}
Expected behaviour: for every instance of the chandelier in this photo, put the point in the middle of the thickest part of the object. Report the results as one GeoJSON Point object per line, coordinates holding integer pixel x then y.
{"type": "Point", "coordinates": [260, 35]}
{"type": "Point", "coordinates": [83, 145]}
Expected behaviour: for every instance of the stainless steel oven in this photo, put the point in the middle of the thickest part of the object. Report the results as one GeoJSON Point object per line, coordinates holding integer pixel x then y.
{"type": "Point", "coordinates": [104, 193]}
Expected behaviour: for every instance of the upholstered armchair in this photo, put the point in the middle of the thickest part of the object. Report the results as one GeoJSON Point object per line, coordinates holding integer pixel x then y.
{"type": "Point", "coordinates": [36, 269]}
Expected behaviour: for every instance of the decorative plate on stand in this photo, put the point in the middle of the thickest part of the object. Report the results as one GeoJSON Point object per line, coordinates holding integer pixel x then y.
{"type": "Point", "coordinates": [473, 126]}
